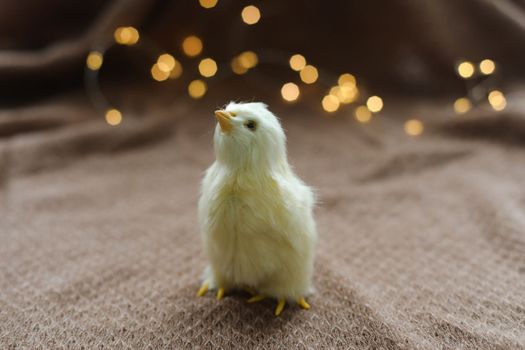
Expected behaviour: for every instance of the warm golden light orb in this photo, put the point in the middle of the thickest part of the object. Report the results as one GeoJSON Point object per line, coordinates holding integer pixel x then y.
{"type": "Point", "coordinates": [462, 105]}
{"type": "Point", "coordinates": [374, 104]}
{"type": "Point", "coordinates": [113, 117]}
{"type": "Point", "coordinates": [176, 71]}
{"type": "Point", "coordinates": [166, 62]}
{"type": "Point", "coordinates": [248, 59]}
{"type": "Point", "coordinates": [94, 60]}
{"type": "Point", "coordinates": [346, 93]}
{"type": "Point", "coordinates": [192, 46]}
{"type": "Point", "coordinates": [236, 66]}
{"type": "Point", "coordinates": [208, 4]}
{"type": "Point", "coordinates": [297, 62]}
{"type": "Point", "coordinates": [466, 69]}
{"type": "Point", "coordinates": [497, 100]}
{"type": "Point", "coordinates": [309, 74]}
{"type": "Point", "coordinates": [487, 66]}
{"type": "Point", "coordinates": [207, 67]}
{"type": "Point", "coordinates": [290, 92]}
{"type": "Point", "coordinates": [414, 127]}
{"type": "Point", "coordinates": [126, 35]}
{"type": "Point", "coordinates": [250, 15]}
{"type": "Point", "coordinates": [330, 103]}
{"type": "Point", "coordinates": [158, 74]}
{"type": "Point", "coordinates": [197, 89]}
{"type": "Point", "coordinates": [347, 79]}
{"type": "Point", "coordinates": [362, 114]}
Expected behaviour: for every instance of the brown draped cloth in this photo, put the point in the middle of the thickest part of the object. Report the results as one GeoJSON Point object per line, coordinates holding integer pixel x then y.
{"type": "Point", "coordinates": [421, 239]}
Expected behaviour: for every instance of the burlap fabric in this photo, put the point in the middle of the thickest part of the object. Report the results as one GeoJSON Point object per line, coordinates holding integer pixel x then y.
{"type": "Point", "coordinates": [421, 239]}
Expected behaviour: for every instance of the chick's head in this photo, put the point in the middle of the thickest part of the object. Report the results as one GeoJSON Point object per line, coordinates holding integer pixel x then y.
{"type": "Point", "coordinates": [249, 136]}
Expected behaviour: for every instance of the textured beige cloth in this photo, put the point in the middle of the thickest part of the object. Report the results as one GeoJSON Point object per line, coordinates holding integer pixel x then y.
{"type": "Point", "coordinates": [422, 239]}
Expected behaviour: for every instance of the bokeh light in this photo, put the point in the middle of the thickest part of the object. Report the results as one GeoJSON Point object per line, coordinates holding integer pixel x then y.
{"type": "Point", "coordinates": [466, 69]}
{"type": "Point", "coordinates": [362, 114]}
{"type": "Point", "coordinates": [113, 117]}
{"type": "Point", "coordinates": [166, 62]}
{"type": "Point", "coordinates": [487, 66]}
{"type": "Point", "coordinates": [126, 35]}
{"type": "Point", "coordinates": [208, 4]}
{"type": "Point", "coordinates": [330, 103]}
{"type": "Point", "coordinates": [290, 92]}
{"type": "Point", "coordinates": [192, 46]}
{"type": "Point", "coordinates": [297, 62]}
{"type": "Point", "coordinates": [335, 90]}
{"type": "Point", "coordinates": [347, 79]}
{"type": "Point", "coordinates": [236, 66]}
{"type": "Point", "coordinates": [413, 127]}
{"type": "Point", "coordinates": [207, 67]}
{"type": "Point", "coordinates": [166, 67]}
{"type": "Point", "coordinates": [248, 59]}
{"type": "Point", "coordinates": [250, 15]}
{"type": "Point", "coordinates": [94, 60]}
{"type": "Point", "coordinates": [497, 100]}
{"type": "Point", "coordinates": [462, 105]}
{"type": "Point", "coordinates": [176, 71]}
{"type": "Point", "coordinates": [197, 88]}
{"type": "Point", "coordinates": [309, 74]}
{"type": "Point", "coordinates": [346, 93]}
{"type": "Point", "coordinates": [158, 74]}
{"type": "Point", "coordinates": [374, 104]}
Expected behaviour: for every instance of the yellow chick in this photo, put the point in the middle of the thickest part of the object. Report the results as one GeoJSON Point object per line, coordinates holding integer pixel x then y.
{"type": "Point", "coordinates": [256, 215]}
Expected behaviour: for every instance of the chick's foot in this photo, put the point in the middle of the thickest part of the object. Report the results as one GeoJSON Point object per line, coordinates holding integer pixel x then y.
{"type": "Point", "coordinates": [203, 289]}
{"type": "Point", "coordinates": [220, 293]}
{"type": "Point", "coordinates": [280, 307]}
{"type": "Point", "coordinates": [256, 298]}
{"type": "Point", "coordinates": [302, 303]}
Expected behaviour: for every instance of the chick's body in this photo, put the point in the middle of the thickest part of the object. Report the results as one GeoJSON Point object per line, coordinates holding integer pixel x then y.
{"type": "Point", "coordinates": [255, 213]}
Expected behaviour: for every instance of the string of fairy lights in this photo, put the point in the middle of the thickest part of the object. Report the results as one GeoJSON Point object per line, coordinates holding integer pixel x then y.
{"type": "Point", "coordinates": [345, 90]}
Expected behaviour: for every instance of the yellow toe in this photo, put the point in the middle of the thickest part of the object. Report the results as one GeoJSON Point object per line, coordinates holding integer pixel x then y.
{"type": "Point", "coordinates": [203, 289]}
{"type": "Point", "coordinates": [220, 293]}
{"type": "Point", "coordinates": [280, 307]}
{"type": "Point", "coordinates": [256, 298]}
{"type": "Point", "coordinates": [302, 303]}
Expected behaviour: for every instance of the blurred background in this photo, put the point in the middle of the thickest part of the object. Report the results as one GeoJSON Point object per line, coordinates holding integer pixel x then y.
{"type": "Point", "coordinates": [291, 52]}
{"type": "Point", "coordinates": [125, 62]}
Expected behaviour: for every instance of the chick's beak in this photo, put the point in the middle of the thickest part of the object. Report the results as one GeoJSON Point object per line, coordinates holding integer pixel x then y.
{"type": "Point", "coordinates": [223, 117]}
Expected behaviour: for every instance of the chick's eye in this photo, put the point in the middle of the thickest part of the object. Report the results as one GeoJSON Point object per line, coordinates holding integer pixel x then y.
{"type": "Point", "coordinates": [250, 125]}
